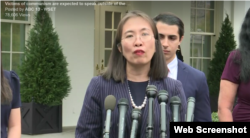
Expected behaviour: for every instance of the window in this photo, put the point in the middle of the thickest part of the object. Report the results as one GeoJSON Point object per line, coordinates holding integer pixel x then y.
{"type": "Point", "coordinates": [202, 34]}
{"type": "Point", "coordinates": [13, 25]}
{"type": "Point", "coordinates": [14, 10]}
{"type": "Point", "coordinates": [112, 20]}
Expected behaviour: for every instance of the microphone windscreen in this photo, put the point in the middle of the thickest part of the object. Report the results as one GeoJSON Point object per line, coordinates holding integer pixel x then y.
{"type": "Point", "coordinates": [191, 99]}
{"type": "Point", "coordinates": [123, 101]}
{"type": "Point", "coordinates": [175, 99]}
{"type": "Point", "coordinates": [163, 92]}
{"type": "Point", "coordinates": [110, 102]}
{"type": "Point", "coordinates": [136, 113]}
{"type": "Point", "coordinates": [151, 88]}
{"type": "Point", "coordinates": [151, 91]}
{"type": "Point", "coordinates": [162, 96]}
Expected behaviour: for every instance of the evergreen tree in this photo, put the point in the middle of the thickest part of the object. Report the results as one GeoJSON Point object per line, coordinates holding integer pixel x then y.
{"type": "Point", "coordinates": [43, 73]}
{"type": "Point", "coordinates": [224, 45]}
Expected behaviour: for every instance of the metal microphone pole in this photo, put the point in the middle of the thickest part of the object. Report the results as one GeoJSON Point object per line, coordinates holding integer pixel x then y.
{"type": "Point", "coordinates": [163, 99]}
{"type": "Point", "coordinates": [151, 94]}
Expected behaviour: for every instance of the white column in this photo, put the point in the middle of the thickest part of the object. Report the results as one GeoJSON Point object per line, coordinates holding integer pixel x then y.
{"type": "Point", "coordinates": [247, 5]}
{"type": "Point", "coordinates": [239, 13]}
{"type": "Point", "coordinates": [228, 9]}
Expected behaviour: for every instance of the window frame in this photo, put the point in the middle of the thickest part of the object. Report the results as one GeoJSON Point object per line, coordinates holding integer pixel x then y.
{"type": "Point", "coordinates": [26, 29]}
{"type": "Point", "coordinates": [211, 34]}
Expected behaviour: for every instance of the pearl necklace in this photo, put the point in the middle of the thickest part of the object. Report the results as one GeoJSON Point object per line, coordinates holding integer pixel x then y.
{"type": "Point", "coordinates": [132, 101]}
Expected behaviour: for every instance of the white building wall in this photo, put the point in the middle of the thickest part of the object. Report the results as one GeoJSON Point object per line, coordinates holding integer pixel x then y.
{"type": "Point", "coordinates": [236, 11]}
{"type": "Point", "coordinates": [75, 27]}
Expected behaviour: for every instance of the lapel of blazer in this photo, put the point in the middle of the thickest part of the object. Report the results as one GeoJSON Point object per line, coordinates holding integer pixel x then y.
{"type": "Point", "coordinates": [182, 73]}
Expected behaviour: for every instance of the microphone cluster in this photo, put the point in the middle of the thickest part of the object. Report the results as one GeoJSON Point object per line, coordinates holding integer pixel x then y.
{"type": "Point", "coordinates": [152, 93]}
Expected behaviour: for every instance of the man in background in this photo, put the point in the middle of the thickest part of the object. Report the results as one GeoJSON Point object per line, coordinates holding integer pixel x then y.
{"type": "Point", "coordinates": [171, 32]}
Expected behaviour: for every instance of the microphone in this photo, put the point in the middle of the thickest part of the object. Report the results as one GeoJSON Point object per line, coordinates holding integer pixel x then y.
{"type": "Point", "coordinates": [163, 99]}
{"type": "Point", "coordinates": [122, 106]}
{"type": "Point", "coordinates": [136, 116]}
{"type": "Point", "coordinates": [190, 109]}
{"type": "Point", "coordinates": [109, 104]}
{"type": "Point", "coordinates": [175, 103]}
{"type": "Point", "coordinates": [151, 92]}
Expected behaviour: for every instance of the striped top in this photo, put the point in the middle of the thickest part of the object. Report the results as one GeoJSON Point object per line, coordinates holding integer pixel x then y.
{"type": "Point", "coordinates": [93, 114]}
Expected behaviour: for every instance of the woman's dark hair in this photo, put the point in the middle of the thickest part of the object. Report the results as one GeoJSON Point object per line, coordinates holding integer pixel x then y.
{"type": "Point", "coordinates": [6, 92]}
{"type": "Point", "coordinates": [242, 55]}
{"type": "Point", "coordinates": [116, 68]}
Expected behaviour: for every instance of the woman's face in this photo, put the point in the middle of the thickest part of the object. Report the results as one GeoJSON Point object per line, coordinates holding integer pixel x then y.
{"type": "Point", "coordinates": [137, 42]}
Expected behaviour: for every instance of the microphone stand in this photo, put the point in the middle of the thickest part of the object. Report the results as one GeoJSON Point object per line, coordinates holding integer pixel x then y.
{"type": "Point", "coordinates": [107, 126]}
{"type": "Point", "coordinates": [136, 116]}
{"type": "Point", "coordinates": [175, 103]}
{"type": "Point", "coordinates": [190, 109]}
{"type": "Point", "coordinates": [122, 106]}
{"type": "Point", "coordinates": [163, 124]}
{"type": "Point", "coordinates": [163, 99]}
{"type": "Point", "coordinates": [150, 126]}
{"type": "Point", "coordinates": [151, 94]}
{"type": "Point", "coordinates": [109, 104]}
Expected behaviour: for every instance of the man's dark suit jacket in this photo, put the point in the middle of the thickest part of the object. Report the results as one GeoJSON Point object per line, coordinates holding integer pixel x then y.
{"type": "Point", "coordinates": [93, 115]}
{"type": "Point", "coordinates": [194, 83]}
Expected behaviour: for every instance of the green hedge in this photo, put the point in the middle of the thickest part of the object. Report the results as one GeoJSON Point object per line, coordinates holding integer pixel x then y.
{"type": "Point", "coordinates": [215, 117]}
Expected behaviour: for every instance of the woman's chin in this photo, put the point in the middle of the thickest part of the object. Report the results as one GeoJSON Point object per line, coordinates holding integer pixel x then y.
{"type": "Point", "coordinates": [141, 63]}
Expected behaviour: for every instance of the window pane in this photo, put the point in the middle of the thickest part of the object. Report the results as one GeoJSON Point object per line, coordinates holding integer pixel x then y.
{"type": "Point", "coordinates": [108, 20]}
{"type": "Point", "coordinates": [209, 21]}
{"type": "Point", "coordinates": [6, 10]}
{"type": "Point", "coordinates": [16, 62]}
{"type": "Point", "coordinates": [21, 14]}
{"type": "Point", "coordinates": [207, 46]}
{"type": "Point", "coordinates": [18, 37]}
{"type": "Point", "coordinates": [193, 3]}
{"type": "Point", "coordinates": [200, 21]}
{"type": "Point", "coordinates": [6, 61]}
{"type": "Point", "coordinates": [191, 46]}
{"type": "Point", "coordinates": [5, 36]}
{"type": "Point", "coordinates": [209, 4]}
{"type": "Point", "coordinates": [200, 4]}
{"type": "Point", "coordinates": [107, 55]}
{"type": "Point", "coordinates": [196, 46]}
{"type": "Point", "coordinates": [117, 18]}
{"type": "Point", "coordinates": [206, 63]}
{"type": "Point", "coordinates": [108, 39]}
{"type": "Point", "coordinates": [114, 34]}
{"type": "Point", "coordinates": [197, 63]}
{"type": "Point", "coordinates": [193, 20]}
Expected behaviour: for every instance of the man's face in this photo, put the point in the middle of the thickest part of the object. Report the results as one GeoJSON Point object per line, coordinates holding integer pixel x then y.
{"type": "Point", "coordinates": [170, 39]}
